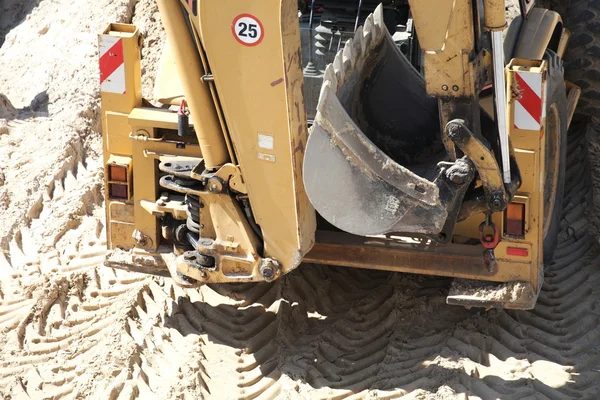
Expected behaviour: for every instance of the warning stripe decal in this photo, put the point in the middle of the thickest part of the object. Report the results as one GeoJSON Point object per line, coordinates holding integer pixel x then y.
{"type": "Point", "coordinates": [192, 6]}
{"type": "Point", "coordinates": [528, 107]}
{"type": "Point", "coordinates": [112, 65]}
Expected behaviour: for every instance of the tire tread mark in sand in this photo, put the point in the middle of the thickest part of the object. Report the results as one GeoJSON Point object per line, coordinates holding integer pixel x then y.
{"type": "Point", "coordinates": [240, 329]}
{"type": "Point", "coordinates": [321, 332]}
{"type": "Point", "coordinates": [339, 331]}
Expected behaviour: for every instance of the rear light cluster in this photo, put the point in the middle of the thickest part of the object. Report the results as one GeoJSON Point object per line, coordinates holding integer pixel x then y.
{"type": "Point", "coordinates": [118, 182]}
{"type": "Point", "coordinates": [514, 225]}
{"type": "Point", "coordinates": [515, 219]}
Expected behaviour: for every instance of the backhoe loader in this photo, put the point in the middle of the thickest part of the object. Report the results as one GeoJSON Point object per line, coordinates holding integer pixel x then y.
{"type": "Point", "coordinates": [421, 136]}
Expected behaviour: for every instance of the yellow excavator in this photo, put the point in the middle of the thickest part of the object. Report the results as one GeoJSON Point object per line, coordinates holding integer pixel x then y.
{"type": "Point", "coordinates": [421, 136]}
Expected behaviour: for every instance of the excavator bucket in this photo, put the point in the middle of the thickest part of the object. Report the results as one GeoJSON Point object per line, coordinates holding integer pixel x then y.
{"type": "Point", "coordinates": [375, 162]}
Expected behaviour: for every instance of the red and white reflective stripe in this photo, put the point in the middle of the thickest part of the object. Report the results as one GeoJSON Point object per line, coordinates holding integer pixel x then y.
{"type": "Point", "coordinates": [192, 4]}
{"type": "Point", "coordinates": [529, 110]}
{"type": "Point", "coordinates": [112, 65]}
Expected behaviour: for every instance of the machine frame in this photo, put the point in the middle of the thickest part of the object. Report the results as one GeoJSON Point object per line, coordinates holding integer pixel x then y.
{"type": "Point", "coordinates": [250, 135]}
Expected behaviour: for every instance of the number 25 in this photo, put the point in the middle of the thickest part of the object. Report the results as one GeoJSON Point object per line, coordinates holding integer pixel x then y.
{"type": "Point", "coordinates": [248, 30]}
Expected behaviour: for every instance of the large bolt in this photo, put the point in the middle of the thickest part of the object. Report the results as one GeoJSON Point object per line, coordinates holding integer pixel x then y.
{"type": "Point", "coordinates": [453, 130]}
{"type": "Point", "coordinates": [497, 203]}
{"type": "Point", "coordinates": [267, 272]}
{"type": "Point", "coordinates": [269, 269]}
{"type": "Point", "coordinates": [216, 185]}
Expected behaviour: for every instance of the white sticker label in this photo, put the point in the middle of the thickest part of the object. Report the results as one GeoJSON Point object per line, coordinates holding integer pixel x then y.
{"type": "Point", "coordinates": [247, 30]}
{"type": "Point", "coordinates": [265, 141]}
{"type": "Point", "coordinates": [266, 157]}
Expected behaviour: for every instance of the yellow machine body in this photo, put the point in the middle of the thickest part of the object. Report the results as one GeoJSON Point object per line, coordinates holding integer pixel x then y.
{"type": "Point", "coordinates": [242, 165]}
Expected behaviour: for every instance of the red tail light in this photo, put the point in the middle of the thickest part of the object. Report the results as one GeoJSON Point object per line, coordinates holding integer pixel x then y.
{"type": "Point", "coordinates": [517, 251]}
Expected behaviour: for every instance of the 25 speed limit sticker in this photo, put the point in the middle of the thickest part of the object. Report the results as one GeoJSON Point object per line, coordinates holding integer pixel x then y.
{"type": "Point", "coordinates": [247, 29]}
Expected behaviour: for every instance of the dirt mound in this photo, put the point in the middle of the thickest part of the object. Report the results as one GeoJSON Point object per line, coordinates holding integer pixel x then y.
{"type": "Point", "coordinates": [71, 328]}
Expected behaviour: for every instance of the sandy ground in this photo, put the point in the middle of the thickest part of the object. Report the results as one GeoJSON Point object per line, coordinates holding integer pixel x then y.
{"type": "Point", "coordinates": [70, 328]}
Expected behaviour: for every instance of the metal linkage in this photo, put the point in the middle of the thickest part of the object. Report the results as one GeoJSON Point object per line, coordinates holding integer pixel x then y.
{"type": "Point", "coordinates": [489, 241]}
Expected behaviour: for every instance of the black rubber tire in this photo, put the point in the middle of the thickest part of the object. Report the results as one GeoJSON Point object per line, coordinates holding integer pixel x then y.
{"type": "Point", "coordinates": [556, 95]}
{"type": "Point", "coordinates": [582, 61]}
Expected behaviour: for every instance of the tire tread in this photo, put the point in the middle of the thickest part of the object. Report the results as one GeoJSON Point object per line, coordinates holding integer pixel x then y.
{"type": "Point", "coordinates": [582, 61]}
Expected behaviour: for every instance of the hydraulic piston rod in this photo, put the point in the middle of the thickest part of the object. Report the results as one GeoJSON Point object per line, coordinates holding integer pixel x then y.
{"type": "Point", "coordinates": [500, 92]}
{"type": "Point", "coordinates": [495, 22]}
{"type": "Point", "coordinates": [197, 94]}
